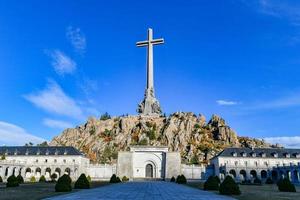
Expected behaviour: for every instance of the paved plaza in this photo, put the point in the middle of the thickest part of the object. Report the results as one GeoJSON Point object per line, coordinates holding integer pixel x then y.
{"type": "Point", "coordinates": [143, 191]}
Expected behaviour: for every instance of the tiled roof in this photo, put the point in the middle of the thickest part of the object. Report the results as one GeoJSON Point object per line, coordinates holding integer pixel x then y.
{"type": "Point", "coordinates": [260, 152]}
{"type": "Point", "coordinates": [35, 150]}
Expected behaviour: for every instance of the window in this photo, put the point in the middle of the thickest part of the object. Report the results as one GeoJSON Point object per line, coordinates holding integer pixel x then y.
{"type": "Point", "coordinates": [266, 163]}
{"type": "Point", "coordinates": [36, 160]}
{"type": "Point", "coordinates": [236, 163]}
{"type": "Point", "coordinates": [55, 161]}
{"type": "Point", "coordinates": [256, 163]}
{"type": "Point", "coordinates": [73, 160]}
{"type": "Point", "coordinates": [64, 160]}
{"type": "Point", "coordinates": [246, 163]}
{"type": "Point", "coordinates": [46, 160]}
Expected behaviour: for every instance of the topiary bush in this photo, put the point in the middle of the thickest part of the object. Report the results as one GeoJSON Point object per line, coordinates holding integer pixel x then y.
{"type": "Point", "coordinates": [20, 179]}
{"type": "Point", "coordinates": [212, 183]}
{"type": "Point", "coordinates": [32, 179]}
{"type": "Point", "coordinates": [181, 179]}
{"type": "Point", "coordinates": [229, 187]}
{"type": "Point", "coordinates": [257, 181]}
{"type": "Point", "coordinates": [89, 178]}
{"type": "Point", "coordinates": [63, 184]}
{"type": "Point", "coordinates": [269, 181]}
{"type": "Point", "coordinates": [53, 177]}
{"type": "Point", "coordinates": [125, 179]}
{"type": "Point", "coordinates": [285, 185]}
{"type": "Point", "coordinates": [12, 181]}
{"type": "Point", "coordinates": [172, 179]}
{"type": "Point", "coordinates": [82, 182]}
{"type": "Point", "coordinates": [42, 179]}
{"type": "Point", "coordinates": [114, 179]}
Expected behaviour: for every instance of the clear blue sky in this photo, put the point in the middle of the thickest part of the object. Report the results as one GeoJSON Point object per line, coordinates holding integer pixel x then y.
{"type": "Point", "coordinates": [62, 61]}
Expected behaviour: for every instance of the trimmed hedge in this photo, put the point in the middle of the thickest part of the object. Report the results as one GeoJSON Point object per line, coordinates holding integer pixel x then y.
{"type": "Point", "coordinates": [229, 187]}
{"type": "Point", "coordinates": [42, 179]}
{"type": "Point", "coordinates": [32, 179]}
{"type": "Point", "coordinates": [269, 181]}
{"type": "Point", "coordinates": [181, 179]}
{"type": "Point", "coordinates": [20, 179]}
{"type": "Point", "coordinates": [63, 184]}
{"type": "Point", "coordinates": [257, 181]}
{"type": "Point", "coordinates": [82, 182]}
{"type": "Point", "coordinates": [285, 185]}
{"type": "Point", "coordinates": [212, 183]}
{"type": "Point", "coordinates": [53, 177]}
{"type": "Point", "coordinates": [173, 179]}
{"type": "Point", "coordinates": [89, 178]}
{"type": "Point", "coordinates": [1, 180]}
{"type": "Point", "coordinates": [114, 179]}
{"type": "Point", "coordinates": [12, 181]}
{"type": "Point", "coordinates": [125, 179]}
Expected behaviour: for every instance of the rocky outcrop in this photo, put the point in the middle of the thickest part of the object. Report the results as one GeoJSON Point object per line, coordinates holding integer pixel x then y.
{"type": "Point", "coordinates": [196, 140]}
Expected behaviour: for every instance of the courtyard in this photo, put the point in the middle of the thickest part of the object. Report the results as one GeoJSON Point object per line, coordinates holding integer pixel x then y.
{"type": "Point", "coordinates": [150, 190]}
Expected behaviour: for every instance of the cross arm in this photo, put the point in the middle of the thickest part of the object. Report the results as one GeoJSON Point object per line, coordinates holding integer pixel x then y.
{"type": "Point", "coordinates": [142, 43]}
{"type": "Point", "coordinates": [158, 41]}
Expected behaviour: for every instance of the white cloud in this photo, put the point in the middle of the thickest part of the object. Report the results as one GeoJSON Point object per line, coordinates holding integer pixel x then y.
{"type": "Point", "coordinates": [54, 100]}
{"type": "Point", "coordinates": [290, 100]}
{"type": "Point", "coordinates": [52, 123]}
{"type": "Point", "coordinates": [62, 63]}
{"type": "Point", "coordinates": [11, 134]}
{"type": "Point", "coordinates": [226, 103]}
{"type": "Point", "coordinates": [77, 39]}
{"type": "Point", "coordinates": [288, 142]}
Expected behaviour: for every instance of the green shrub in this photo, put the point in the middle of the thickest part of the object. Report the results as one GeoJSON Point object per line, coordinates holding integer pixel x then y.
{"type": "Point", "coordinates": [32, 179]}
{"type": "Point", "coordinates": [1, 180]}
{"type": "Point", "coordinates": [285, 185]}
{"type": "Point", "coordinates": [125, 179]}
{"type": "Point", "coordinates": [257, 181]}
{"type": "Point", "coordinates": [89, 178]}
{"type": "Point", "coordinates": [212, 183]}
{"type": "Point", "coordinates": [172, 179]}
{"type": "Point", "coordinates": [20, 179]}
{"type": "Point", "coordinates": [53, 177]}
{"type": "Point", "coordinates": [82, 182]}
{"type": "Point", "coordinates": [229, 187]}
{"type": "Point", "coordinates": [105, 116]}
{"type": "Point", "coordinates": [181, 179]}
{"type": "Point", "coordinates": [114, 179]}
{"type": "Point", "coordinates": [42, 179]}
{"type": "Point", "coordinates": [269, 181]}
{"type": "Point", "coordinates": [63, 184]}
{"type": "Point", "coordinates": [12, 181]}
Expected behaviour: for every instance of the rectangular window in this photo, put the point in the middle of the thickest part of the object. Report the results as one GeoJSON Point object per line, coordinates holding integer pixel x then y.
{"type": "Point", "coordinates": [46, 160]}
{"type": "Point", "coordinates": [64, 160]}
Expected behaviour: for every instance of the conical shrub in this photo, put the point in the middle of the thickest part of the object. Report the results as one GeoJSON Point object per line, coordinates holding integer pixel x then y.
{"type": "Point", "coordinates": [42, 179]}
{"type": "Point", "coordinates": [82, 182]}
{"type": "Point", "coordinates": [212, 183]}
{"type": "Point", "coordinates": [285, 185]}
{"type": "Point", "coordinates": [12, 181]}
{"type": "Point", "coordinates": [20, 179]}
{"type": "Point", "coordinates": [63, 184]}
{"type": "Point", "coordinates": [229, 187]}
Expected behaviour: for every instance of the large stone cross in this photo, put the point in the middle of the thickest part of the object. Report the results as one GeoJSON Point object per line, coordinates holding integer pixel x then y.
{"type": "Point", "coordinates": [149, 105]}
{"type": "Point", "coordinates": [149, 43]}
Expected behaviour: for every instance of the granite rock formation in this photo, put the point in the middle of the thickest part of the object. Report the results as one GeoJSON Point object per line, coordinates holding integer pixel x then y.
{"type": "Point", "coordinates": [196, 139]}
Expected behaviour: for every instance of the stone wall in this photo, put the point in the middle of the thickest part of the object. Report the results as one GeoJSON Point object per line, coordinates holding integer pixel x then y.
{"type": "Point", "coordinates": [196, 171]}
{"type": "Point", "coordinates": [101, 171]}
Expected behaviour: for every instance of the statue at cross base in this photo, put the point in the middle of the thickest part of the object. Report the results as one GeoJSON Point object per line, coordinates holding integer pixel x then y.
{"type": "Point", "coordinates": [149, 105]}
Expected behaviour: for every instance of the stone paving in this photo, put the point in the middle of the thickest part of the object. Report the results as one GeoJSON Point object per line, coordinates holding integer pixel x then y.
{"type": "Point", "coordinates": [143, 191]}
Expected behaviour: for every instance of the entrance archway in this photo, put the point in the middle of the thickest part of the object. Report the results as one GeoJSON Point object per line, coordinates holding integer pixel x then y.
{"type": "Point", "coordinates": [149, 171]}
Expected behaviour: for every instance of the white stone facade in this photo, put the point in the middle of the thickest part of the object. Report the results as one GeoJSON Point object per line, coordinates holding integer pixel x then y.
{"type": "Point", "coordinates": [247, 164]}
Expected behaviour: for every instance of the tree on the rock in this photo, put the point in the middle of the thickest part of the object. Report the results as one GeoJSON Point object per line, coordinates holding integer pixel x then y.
{"type": "Point", "coordinates": [212, 183]}
{"type": "Point", "coordinates": [229, 187]}
{"type": "Point", "coordinates": [105, 116]}
{"type": "Point", "coordinates": [63, 184]}
{"type": "Point", "coordinates": [82, 182]}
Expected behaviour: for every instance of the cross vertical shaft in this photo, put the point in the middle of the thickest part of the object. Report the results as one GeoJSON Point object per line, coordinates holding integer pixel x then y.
{"type": "Point", "coordinates": [150, 105]}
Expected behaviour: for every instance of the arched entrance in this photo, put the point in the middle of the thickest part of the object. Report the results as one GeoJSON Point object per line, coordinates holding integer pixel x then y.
{"type": "Point", "coordinates": [149, 171]}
